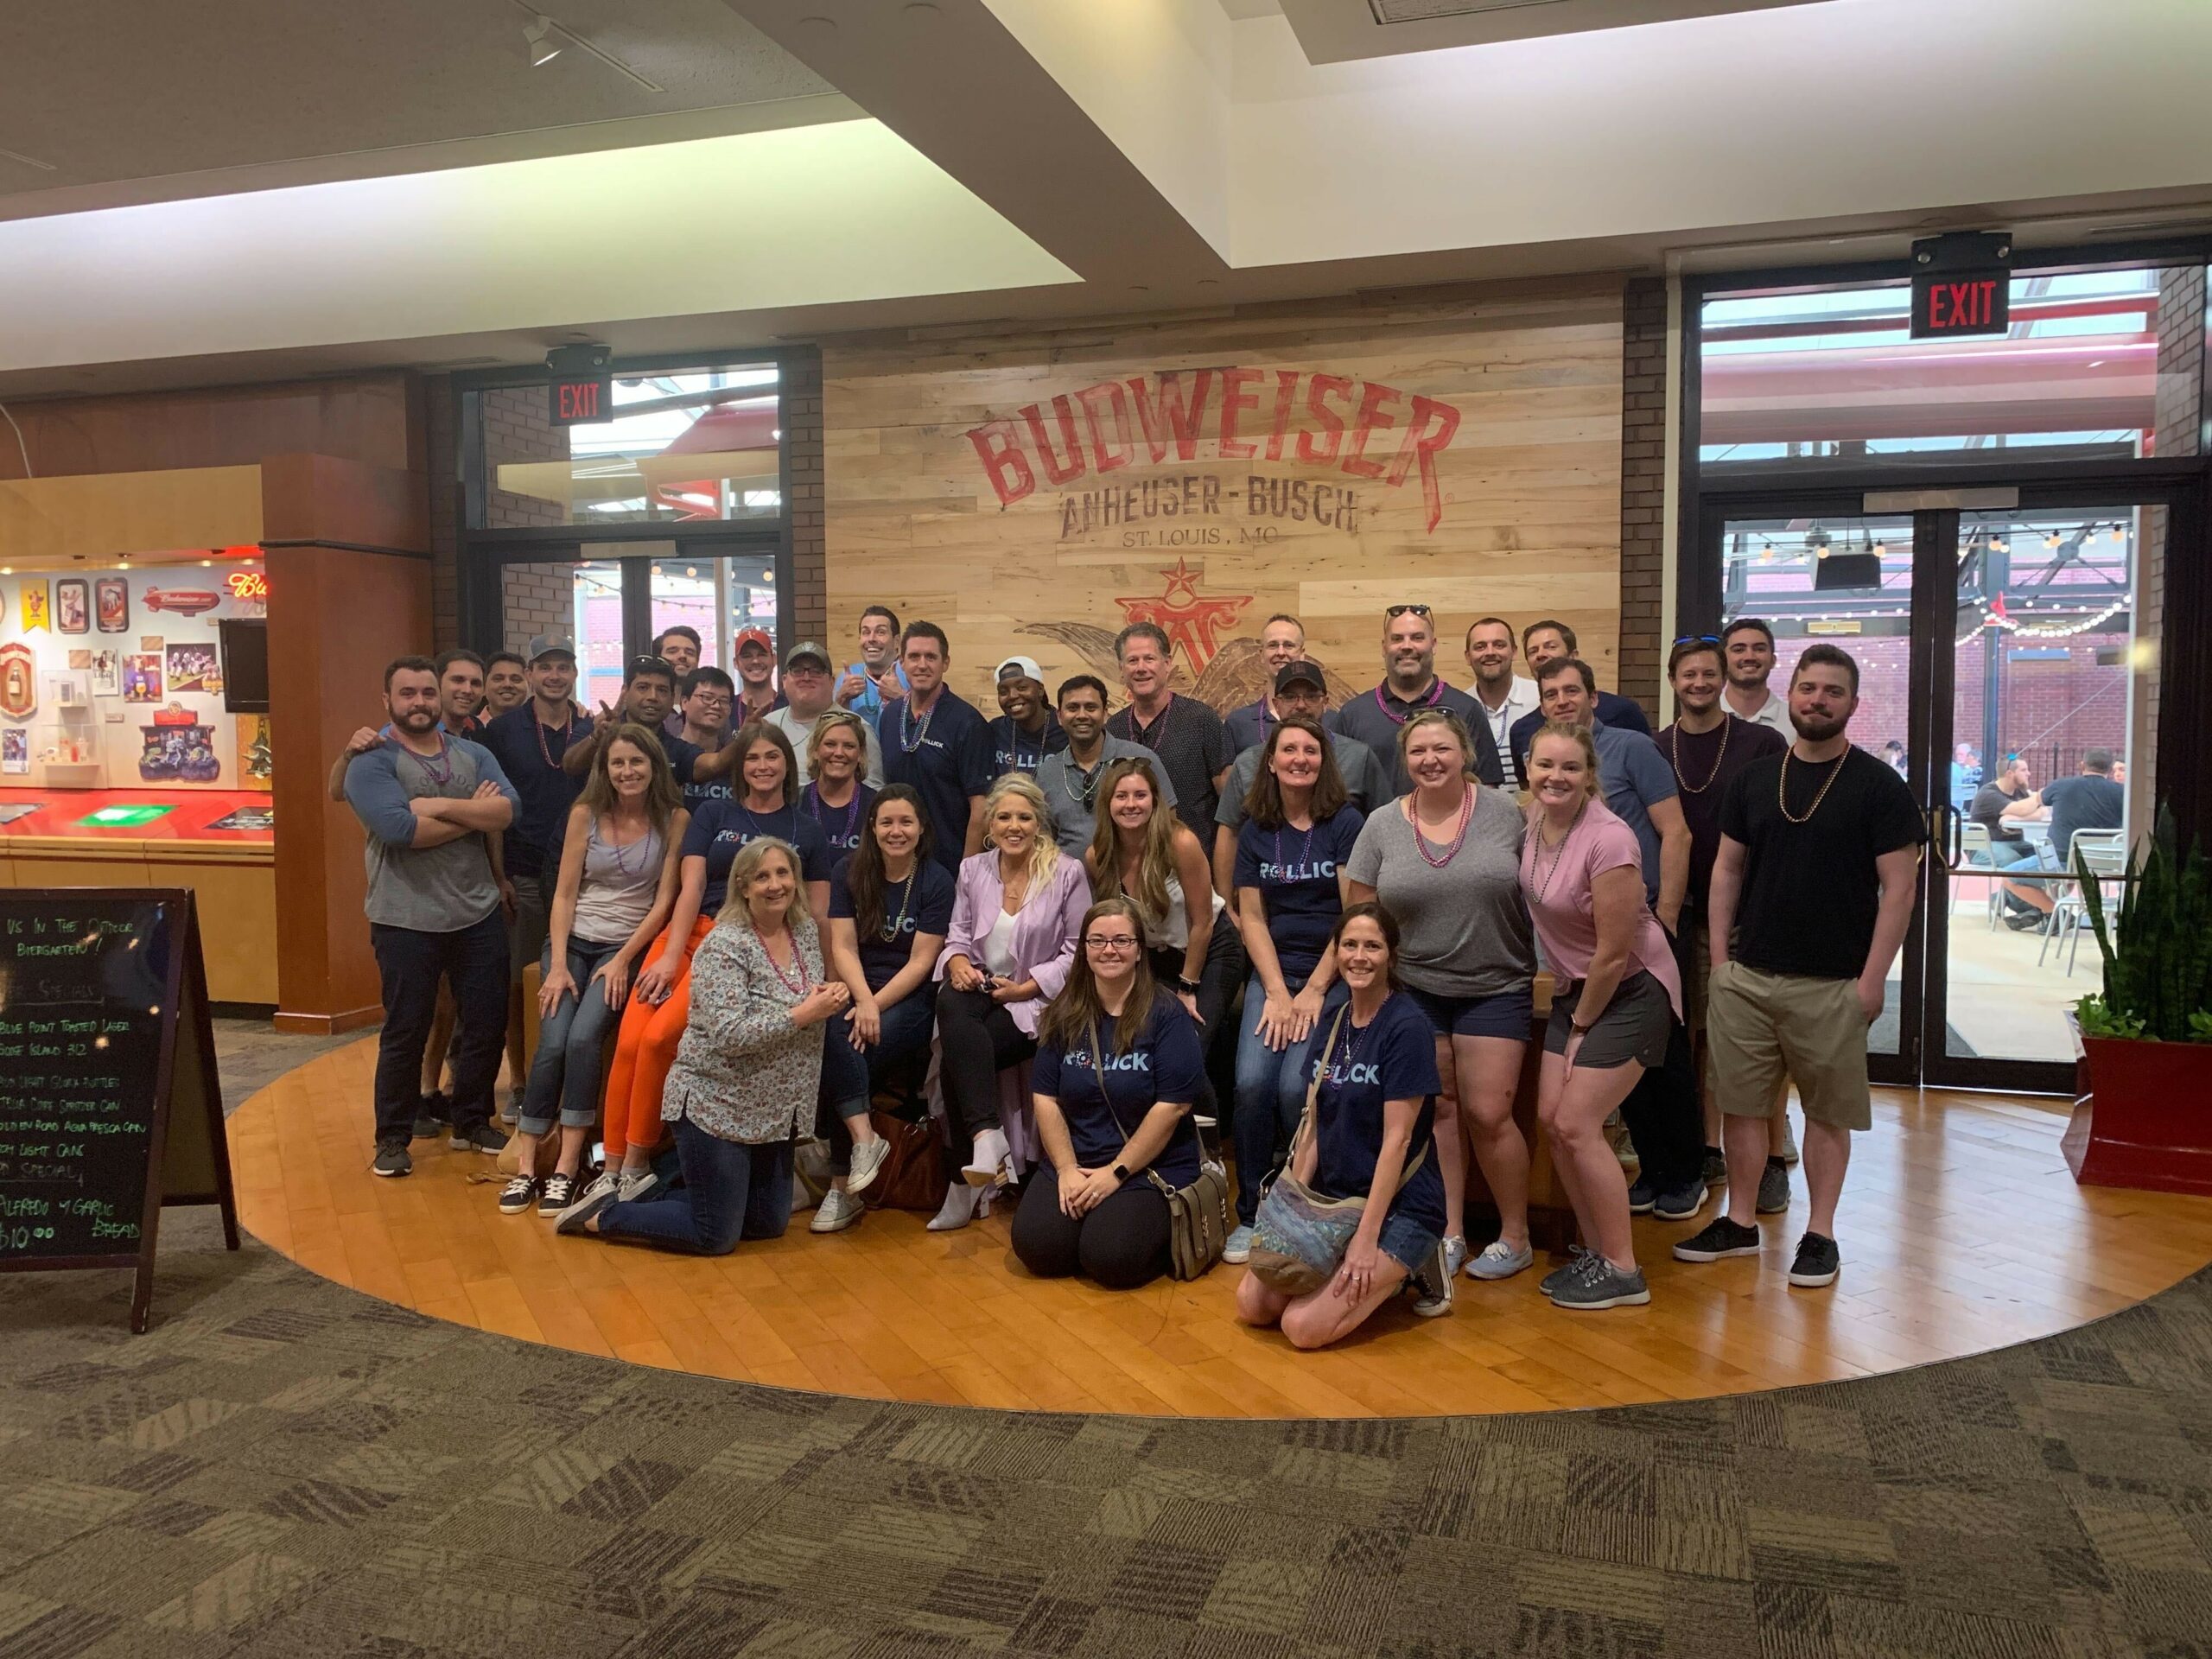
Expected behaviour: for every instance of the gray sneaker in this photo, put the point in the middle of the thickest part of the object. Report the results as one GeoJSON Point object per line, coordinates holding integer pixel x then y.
{"type": "Point", "coordinates": [1237, 1250]}
{"type": "Point", "coordinates": [1575, 1260]}
{"type": "Point", "coordinates": [1774, 1188]}
{"type": "Point", "coordinates": [1431, 1284]}
{"type": "Point", "coordinates": [392, 1159]}
{"type": "Point", "coordinates": [1602, 1287]}
{"type": "Point", "coordinates": [1499, 1259]}
{"type": "Point", "coordinates": [1455, 1254]}
{"type": "Point", "coordinates": [481, 1138]}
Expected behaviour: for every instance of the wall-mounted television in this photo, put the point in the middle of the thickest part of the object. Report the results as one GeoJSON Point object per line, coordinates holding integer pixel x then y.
{"type": "Point", "coordinates": [246, 664]}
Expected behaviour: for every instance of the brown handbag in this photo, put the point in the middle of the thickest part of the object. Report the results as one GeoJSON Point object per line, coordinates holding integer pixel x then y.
{"type": "Point", "coordinates": [913, 1178]}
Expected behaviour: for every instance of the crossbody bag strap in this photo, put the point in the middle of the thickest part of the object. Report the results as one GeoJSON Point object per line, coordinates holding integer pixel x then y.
{"type": "Point", "coordinates": [1304, 1129]}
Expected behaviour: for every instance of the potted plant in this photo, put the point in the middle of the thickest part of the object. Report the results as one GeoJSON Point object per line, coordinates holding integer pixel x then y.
{"type": "Point", "coordinates": [2144, 1116]}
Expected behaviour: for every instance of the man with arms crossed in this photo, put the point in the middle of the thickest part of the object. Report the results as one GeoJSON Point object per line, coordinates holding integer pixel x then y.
{"type": "Point", "coordinates": [1812, 893]}
{"type": "Point", "coordinates": [427, 802]}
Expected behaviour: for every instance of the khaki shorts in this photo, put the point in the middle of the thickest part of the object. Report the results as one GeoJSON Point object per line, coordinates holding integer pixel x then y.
{"type": "Point", "coordinates": [1761, 1027]}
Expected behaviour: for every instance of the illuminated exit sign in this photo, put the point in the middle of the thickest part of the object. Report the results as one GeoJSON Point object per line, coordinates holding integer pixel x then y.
{"type": "Point", "coordinates": [1961, 286]}
{"type": "Point", "coordinates": [583, 401]}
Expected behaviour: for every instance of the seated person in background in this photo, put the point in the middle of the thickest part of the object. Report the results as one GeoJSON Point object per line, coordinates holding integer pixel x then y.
{"type": "Point", "coordinates": [1117, 1066]}
{"type": "Point", "coordinates": [616, 886]}
{"type": "Point", "coordinates": [1070, 776]}
{"type": "Point", "coordinates": [1367, 1134]}
{"type": "Point", "coordinates": [1016, 909]}
{"type": "Point", "coordinates": [747, 1074]}
{"type": "Point", "coordinates": [1300, 694]}
{"type": "Point", "coordinates": [890, 906]}
{"type": "Point", "coordinates": [836, 799]}
{"type": "Point", "coordinates": [2091, 801]}
{"type": "Point", "coordinates": [2026, 903]}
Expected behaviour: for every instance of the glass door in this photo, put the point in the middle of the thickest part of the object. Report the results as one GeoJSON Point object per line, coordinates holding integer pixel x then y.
{"type": "Point", "coordinates": [1813, 571]}
{"type": "Point", "coordinates": [2049, 725]}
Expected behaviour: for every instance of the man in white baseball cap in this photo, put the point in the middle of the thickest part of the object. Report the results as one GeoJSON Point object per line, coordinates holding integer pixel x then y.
{"type": "Point", "coordinates": [1026, 730]}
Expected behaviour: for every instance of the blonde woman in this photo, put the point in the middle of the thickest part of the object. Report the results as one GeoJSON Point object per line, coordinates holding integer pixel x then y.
{"type": "Point", "coordinates": [835, 758]}
{"type": "Point", "coordinates": [615, 888]}
{"type": "Point", "coordinates": [746, 1073]}
{"type": "Point", "coordinates": [1016, 910]}
{"type": "Point", "coordinates": [1143, 851]}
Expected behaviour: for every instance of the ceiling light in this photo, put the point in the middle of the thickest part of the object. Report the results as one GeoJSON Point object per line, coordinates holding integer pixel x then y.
{"type": "Point", "coordinates": [543, 49]}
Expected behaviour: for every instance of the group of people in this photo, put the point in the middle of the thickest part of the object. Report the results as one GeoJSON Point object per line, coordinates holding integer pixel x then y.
{"type": "Point", "coordinates": [775, 900]}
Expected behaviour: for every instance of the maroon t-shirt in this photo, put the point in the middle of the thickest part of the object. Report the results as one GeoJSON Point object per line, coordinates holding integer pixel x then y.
{"type": "Point", "coordinates": [1704, 764]}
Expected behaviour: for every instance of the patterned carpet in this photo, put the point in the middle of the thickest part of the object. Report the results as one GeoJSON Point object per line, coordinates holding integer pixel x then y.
{"type": "Point", "coordinates": [283, 1467]}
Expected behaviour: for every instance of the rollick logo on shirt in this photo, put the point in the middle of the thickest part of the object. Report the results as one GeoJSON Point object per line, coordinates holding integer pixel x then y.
{"type": "Point", "coordinates": [1135, 1060]}
{"type": "Point", "coordinates": [1299, 416]}
{"type": "Point", "coordinates": [1340, 1076]}
{"type": "Point", "coordinates": [1317, 869]}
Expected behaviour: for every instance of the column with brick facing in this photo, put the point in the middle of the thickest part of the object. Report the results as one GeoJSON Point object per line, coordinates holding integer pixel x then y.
{"type": "Point", "coordinates": [1643, 489]}
{"type": "Point", "coordinates": [808, 603]}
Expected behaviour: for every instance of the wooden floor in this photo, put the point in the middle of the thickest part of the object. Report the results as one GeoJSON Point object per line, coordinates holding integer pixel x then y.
{"type": "Point", "coordinates": [1961, 1231]}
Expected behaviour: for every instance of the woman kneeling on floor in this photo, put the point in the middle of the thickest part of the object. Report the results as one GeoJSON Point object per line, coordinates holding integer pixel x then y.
{"type": "Point", "coordinates": [1369, 1119]}
{"type": "Point", "coordinates": [1117, 1066]}
{"type": "Point", "coordinates": [746, 1073]}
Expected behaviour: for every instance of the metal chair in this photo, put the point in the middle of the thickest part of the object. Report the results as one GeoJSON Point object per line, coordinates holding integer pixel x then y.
{"type": "Point", "coordinates": [2103, 853]}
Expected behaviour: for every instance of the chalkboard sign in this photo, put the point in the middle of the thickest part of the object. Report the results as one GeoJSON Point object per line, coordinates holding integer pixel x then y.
{"type": "Point", "coordinates": [110, 1104]}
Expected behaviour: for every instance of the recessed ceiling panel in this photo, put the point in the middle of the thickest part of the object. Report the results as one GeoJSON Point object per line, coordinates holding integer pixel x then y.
{"type": "Point", "coordinates": [1331, 31]}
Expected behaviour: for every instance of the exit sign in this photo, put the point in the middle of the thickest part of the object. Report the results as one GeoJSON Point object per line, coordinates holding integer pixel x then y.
{"type": "Point", "coordinates": [1961, 286]}
{"type": "Point", "coordinates": [583, 400]}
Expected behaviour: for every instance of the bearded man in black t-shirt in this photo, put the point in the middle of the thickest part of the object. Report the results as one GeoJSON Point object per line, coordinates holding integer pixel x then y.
{"type": "Point", "coordinates": [1812, 892]}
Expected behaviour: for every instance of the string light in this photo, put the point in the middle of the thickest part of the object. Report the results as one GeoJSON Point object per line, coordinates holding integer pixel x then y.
{"type": "Point", "coordinates": [2119, 533]}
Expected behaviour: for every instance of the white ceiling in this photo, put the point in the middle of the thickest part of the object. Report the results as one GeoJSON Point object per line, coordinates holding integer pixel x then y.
{"type": "Point", "coordinates": [1332, 31]}
{"type": "Point", "coordinates": [388, 182]}
{"type": "Point", "coordinates": [118, 96]}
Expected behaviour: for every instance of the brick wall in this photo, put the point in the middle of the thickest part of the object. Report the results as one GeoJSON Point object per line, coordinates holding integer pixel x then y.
{"type": "Point", "coordinates": [2179, 413]}
{"type": "Point", "coordinates": [1643, 489]}
{"type": "Point", "coordinates": [808, 603]}
{"type": "Point", "coordinates": [516, 428]}
{"type": "Point", "coordinates": [534, 599]}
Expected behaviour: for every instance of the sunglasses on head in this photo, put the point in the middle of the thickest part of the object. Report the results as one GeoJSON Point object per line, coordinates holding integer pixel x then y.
{"type": "Point", "coordinates": [1407, 610]}
{"type": "Point", "coordinates": [1699, 639]}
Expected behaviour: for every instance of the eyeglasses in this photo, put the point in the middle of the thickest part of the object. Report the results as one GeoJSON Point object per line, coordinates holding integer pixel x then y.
{"type": "Point", "coordinates": [711, 699]}
{"type": "Point", "coordinates": [1104, 942]}
{"type": "Point", "coordinates": [1698, 639]}
{"type": "Point", "coordinates": [1407, 610]}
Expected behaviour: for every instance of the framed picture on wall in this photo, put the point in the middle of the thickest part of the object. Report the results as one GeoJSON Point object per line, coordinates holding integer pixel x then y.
{"type": "Point", "coordinates": [112, 595]}
{"type": "Point", "coordinates": [142, 678]}
{"type": "Point", "coordinates": [72, 604]}
{"type": "Point", "coordinates": [107, 673]}
{"type": "Point", "coordinates": [34, 612]}
{"type": "Point", "coordinates": [15, 750]}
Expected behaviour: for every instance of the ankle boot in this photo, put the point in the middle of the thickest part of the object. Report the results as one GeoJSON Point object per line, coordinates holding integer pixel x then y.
{"type": "Point", "coordinates": [961, 1204]}
{"type": "Point", "coordinates": [992, 1160]}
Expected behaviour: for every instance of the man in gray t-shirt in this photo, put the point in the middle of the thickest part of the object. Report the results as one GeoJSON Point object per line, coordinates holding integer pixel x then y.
{"type": "Point", "coordinates": [429, 801]}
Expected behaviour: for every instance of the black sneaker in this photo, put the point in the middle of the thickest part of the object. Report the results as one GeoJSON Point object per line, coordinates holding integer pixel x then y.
{"type": "Point", "coordinates": [481, 1138]}
{"type": "Point", "coordinates": [1716, 1166]}
{"type": "Point", "coordinates": [560, 1192]}
{"type": "Point", "coordinates": [2025, 921]}
{"type": "Point", "coordinates": [1774, 1188]}
{"type": "Point", "coordinates": [392, 1159]}
{"type": "Point", "coordinates": [1643, 1193]}
{"type": "Point", "coordinates": [518, 1194]}
{"type": "Point", "coordinates": [1681, 1203]}
{"type": "Point", "coordinates": [1721, 1237]}
{"type": "Point", "coordinates": [433, 1115]}
{"type": "Point", "coordinates": [1817, 1259]}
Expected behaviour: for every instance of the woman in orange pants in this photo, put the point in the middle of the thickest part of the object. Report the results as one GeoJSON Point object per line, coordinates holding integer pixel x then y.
{"type": "Point", "coordinates": [660, 1004]}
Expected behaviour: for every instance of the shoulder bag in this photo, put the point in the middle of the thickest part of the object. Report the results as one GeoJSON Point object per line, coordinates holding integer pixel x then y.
{"type": "Point", "coordinates": [1197, 1215]}
{"type": "Point", "coordinates": [1299, 1237]}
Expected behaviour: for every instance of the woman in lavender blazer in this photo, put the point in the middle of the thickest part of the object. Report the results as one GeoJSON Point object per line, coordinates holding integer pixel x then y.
{"type": "Point", "coordinates": [1012, 944]}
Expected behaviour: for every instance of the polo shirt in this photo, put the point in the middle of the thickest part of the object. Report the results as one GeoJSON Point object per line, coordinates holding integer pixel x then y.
{"type": "Point", "coordinates": [946, 757]}
{"type": "Point", "coordinates": [1623, 714]}
{"type": "Point", "coordinates": [1377, 715]}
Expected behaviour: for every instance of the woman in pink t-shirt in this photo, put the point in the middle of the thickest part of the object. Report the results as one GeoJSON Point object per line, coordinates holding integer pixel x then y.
{"type": "Point", "coordinates": [1616, 996]}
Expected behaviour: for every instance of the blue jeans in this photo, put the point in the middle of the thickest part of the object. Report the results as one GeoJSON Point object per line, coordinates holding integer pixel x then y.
{"type": "Point", "coordinates": [851, 1077]}
{"type": "Point", "coordinates": [564, 1073]}
{"type": "Point", "coordinates": [1270, 1098]}
{"type": "Point", "coordinates": [732, 1189]}
{"type": "Point", "coordinates": [410, 962]}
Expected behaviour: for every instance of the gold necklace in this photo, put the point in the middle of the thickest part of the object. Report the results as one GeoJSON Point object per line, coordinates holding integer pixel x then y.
{"type": "Point", "coordinates": [1782, 788]}
{"type": "Point", "coordinates": [1675, 754]}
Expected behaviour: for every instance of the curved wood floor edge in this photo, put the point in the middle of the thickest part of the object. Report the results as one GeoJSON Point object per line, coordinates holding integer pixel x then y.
{"type": "Point", "coordinates": [1961, 1231]}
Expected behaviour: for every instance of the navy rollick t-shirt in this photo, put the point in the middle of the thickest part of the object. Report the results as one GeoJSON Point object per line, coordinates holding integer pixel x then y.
{"type": "Point", "coordinates": [1164, 1063]}
{"type": "Point", "coordinates": [1295, 871]}
{"type": "Point", "coordinates": [1394, 1058]}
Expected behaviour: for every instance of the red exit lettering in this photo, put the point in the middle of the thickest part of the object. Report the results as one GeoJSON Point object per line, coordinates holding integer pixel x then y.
{"type": "Point", "coordinates": [1962, 305]}
{"type": "Point", "coordinates": [580, 400]}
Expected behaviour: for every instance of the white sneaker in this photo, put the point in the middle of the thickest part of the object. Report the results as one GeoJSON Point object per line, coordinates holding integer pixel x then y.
{"type": "Point", "coordinates": [868, 1163]}
{"type": "Point", "coordinates": [1237, 1250]}
{"type": "Point", "coordinates": [637, 1184]}
{"type": "Point", "coordinates": [836, 1212]}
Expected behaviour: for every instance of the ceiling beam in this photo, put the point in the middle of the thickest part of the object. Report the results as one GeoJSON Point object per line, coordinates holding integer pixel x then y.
{"type": "Point", "coordinates": [952, 79]}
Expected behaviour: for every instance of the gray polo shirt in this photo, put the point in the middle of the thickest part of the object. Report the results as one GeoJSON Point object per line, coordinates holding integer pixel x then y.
{"type": "Point", "coordinates": [1069, 789]}
{"type": "Point", "coordinates": [439, 889]}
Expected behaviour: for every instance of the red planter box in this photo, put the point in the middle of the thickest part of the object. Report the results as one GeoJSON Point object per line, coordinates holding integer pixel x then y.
{"type": "Point", "coordinates": [2144, 1119]}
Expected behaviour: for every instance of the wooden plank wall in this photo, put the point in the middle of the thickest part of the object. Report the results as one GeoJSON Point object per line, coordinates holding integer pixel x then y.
{"type": "Point", "coordinates": [997, 480]}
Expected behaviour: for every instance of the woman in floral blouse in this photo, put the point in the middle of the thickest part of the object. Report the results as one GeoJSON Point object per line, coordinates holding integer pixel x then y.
{"type": "Point", "coordinates": [746, 1073]}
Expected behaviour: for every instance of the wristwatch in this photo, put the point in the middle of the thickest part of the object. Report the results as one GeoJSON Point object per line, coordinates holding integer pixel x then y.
{"type": "Point", "coordinates": [1578, 1027]}
{"type": "Point", "coordinates": [1189, 985]}
{"type": "Point", "coordinates": [1121, 1172]}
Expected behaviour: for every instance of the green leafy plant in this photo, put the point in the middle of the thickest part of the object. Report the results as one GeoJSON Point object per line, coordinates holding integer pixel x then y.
{"type": "Point", "coordinates": [2157, 949]}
